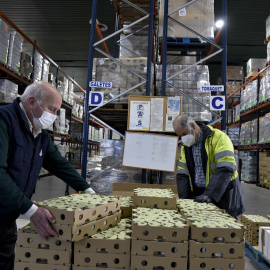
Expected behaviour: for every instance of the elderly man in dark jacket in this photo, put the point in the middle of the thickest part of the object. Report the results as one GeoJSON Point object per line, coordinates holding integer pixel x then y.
{"type": "Point", "coordinates": [25, 147]}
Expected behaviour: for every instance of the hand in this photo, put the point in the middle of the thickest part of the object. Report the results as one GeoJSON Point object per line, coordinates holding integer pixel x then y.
{"type": "Point", "coordinates": [203, 199]}
{"type": "Point", "coordinates": [42, 220]}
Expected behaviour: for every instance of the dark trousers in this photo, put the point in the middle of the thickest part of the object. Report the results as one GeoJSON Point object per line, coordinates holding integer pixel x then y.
{"type": "Point", "coordinates": [8, 238]}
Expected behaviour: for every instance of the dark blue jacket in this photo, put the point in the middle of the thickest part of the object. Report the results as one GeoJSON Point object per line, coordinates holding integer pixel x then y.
{"type": "Point", "coordinates": [21, 159]}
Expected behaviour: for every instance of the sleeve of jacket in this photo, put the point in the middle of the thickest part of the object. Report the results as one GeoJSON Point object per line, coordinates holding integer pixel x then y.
{"type": "Point", "coordinates": [225, 168]}
{"type": "Point", "coordinates": [182, 177]}
{"type": "Point", "coordinates": [56, 164]}
{"type": "Point", "coordinates": [11, 195]}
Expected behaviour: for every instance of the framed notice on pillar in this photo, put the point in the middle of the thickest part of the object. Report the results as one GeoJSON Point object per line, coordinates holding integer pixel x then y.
{"type": "Point", "coordinates": [153, 113]}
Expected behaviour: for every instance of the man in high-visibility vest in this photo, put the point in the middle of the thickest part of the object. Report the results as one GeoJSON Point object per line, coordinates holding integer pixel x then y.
{"type": "Point", "coordinates": [206, 169]}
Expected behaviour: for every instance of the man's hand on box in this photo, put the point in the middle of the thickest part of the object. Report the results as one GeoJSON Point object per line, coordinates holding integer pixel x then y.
{"type": "Point", "coordinates": [42, 220]}
{"type": "Point", "coordinates": [203, 199]}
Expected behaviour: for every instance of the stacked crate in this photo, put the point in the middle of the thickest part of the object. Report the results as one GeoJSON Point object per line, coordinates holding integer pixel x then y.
{"type": "Point", "coordinates": [216, 241]}
{"type": "Point", "coordinates": [77, 217]}
{"type": "Point", "coordinates": [14, 52]}
{"type": "Point", "coordinates": [8, 91]}
{"type": "Point", "coordinates": [159, 232]}
{"type": "Point", "coordinates": [190, 82]}
{"type": "Point", "coordinates": [109, 249]}
{"type": "Point", "coordinates": [126, 206]}
{"type": "Point", "coordinates": [264, 169]}
{"type": "Point", "coordinates": [106, 70]}
{"type": "Point", "coordinates": [187, 205]}
{"type": "Point", "coordinates": [252, 223]}
{"type": "Point", "coordinates": [34, 252]}
{"type": "Point", "coordinates": [254, 65]}
{"type": "Point", "coordinates": [4, 41]}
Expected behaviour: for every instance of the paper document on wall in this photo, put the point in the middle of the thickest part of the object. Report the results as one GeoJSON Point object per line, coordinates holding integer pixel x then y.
{"type": "Point", "coordinates": [139, 115]}
{"type": "Point", "coordinates": [173, 109]}
{"type": "Point", "coordinates": [156, 114]}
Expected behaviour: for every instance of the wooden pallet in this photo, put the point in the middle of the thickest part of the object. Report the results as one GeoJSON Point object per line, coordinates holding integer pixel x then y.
{"type": "Point", "coordinates": [256, 256]}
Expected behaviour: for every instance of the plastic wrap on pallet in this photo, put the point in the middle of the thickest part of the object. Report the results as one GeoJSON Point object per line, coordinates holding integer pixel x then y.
{"type": "Point", "coordinates": [70, 92]}
{"type": "Point", "coordinates": [106, 70]}
{"type": "Point", "coordinates": [63, 87]}
{"type": "Point", "coordinates": [264, 127]}
{"type": "Point", "coordinates": [264, 93]}
{"type": "Point", "coordinates": [103, 184]}
{"type": "Point", "coordinates": [8, 91]}
{"type": "Point", "coordinates": [4, 41]}
{"type": "Point", "coordinates": [233, 134]}
{"type": "Point", "coordinates": [268, 51]}
{"type": "Point", "coordinates": [51, 79]}
{"type": "Point", "coordinates": [133, 46]}
{"type": "Point", "coordinates": [249, 166]}
{"type": "Point", "coordinates": [111, 148]}
{"type": "Point", "coordinates": [14, 52]}
{"type": "Point", "coordinates": [45, 70]}
{"type": "Point", "coordinates": [255, 64]}
{"type": "Point", "coordinates": [189, 82]}
{"type": "Point", "coordinates": [26, 67]}
{"type": "Point", "coordinates": [38, 63]}
{"type": "Point", "coordinates": [268, 26]}
{"type": "Point", "coordinates": [198, 16]}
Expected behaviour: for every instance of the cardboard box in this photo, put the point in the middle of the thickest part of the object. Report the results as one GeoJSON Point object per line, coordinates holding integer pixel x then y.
{"type": "Point", "coordinates": [217, 250]}
{"type": "Point", "coordinates": [43, 256]}
{"type": "Point", "coordinates": [264, 240]}
{"type": "Point", "coordinates": [28, 238]}
{"type": "Point", "coordinates": [126, 205]}
{"type": "Point", "coordinates": [224, 235]}
{"type": "Point", "coordinates": [104, 246]}
{"type": "Point", "coordinates": [74, 267]}
{"type": "Point", "coordinates": [39, 266]}
{"type": "Point", "coordinates": [154, 198]}
{"type": "Point", "coordinates": [153, 262]}
{"type": "Point", "coordinates": [71, 233]}
{"type": "Point", "coordinates": [168, 234]}
{"type": "Point", "coordinates": [126, 189]}
{"type": "Point", "coordinates": [99, 206]}
{"type": "Point", "coordinates": [224, 264]}
{"type": "Point", "coordinates": [102, 260]}
{"type": "Point", "coordinates": [155, 248]}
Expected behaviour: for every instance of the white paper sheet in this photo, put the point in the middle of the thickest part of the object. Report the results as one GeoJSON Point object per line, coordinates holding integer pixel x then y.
{"type": "Point", "coordinates": [156, 114]}
{"type": "Point", "coordinates": [139, 118]}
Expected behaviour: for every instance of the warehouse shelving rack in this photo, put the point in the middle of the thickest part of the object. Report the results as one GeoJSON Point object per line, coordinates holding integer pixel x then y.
{"type": "Point", "coordinates": [142, 18]}
{"type": "Point", "coordinates": [253, 113]}
{"type": "Point", "coordinates": [23, 82]}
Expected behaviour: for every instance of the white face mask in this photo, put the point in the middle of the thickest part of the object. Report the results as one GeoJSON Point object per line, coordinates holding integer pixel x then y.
{"type": "Point", "coordinates": [45, 120]}
{"type": "Point", "coordinates": [189, 139]}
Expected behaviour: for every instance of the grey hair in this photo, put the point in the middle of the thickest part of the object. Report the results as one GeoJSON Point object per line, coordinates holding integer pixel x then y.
{"type": "Point", "coordinates": [33, 90]}
{"type": "Point", "coordinates": [183, 121]}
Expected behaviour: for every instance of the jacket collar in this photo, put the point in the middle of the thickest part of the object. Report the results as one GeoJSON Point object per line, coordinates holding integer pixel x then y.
{"type": "Point", "coordinates": [206, 131]}
{"type": "Point", "coordinates": [20, 113]}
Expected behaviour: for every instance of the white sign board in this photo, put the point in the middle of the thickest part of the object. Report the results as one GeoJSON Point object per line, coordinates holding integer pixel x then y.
{"type": "Point", "coordinates": [100, 84]}
{"type": "Point", "coordinates": [217, 103]}
{"type": "Point", "coordinates": [96, 98]}
{"type": "Point", "coordinates": [212, 88]}
{"type": "Point", "coordinates": [150, 151]}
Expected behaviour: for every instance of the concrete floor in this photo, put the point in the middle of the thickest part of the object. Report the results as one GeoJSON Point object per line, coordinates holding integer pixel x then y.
{"type": "Point", "coordinates": [257, 201]}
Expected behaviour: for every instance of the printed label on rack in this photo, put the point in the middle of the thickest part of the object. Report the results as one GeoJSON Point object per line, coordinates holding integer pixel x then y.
{"type": "Point", "coordinates": [212, 88]}
{"type": "Point", "coordinates": [100, 84]}
{"type": "Point", "coordinates": [217, 103]}
{"type": "Point", "coordinates": [96, 98]}
{"type": "Point", "coordinates": [182, 12]}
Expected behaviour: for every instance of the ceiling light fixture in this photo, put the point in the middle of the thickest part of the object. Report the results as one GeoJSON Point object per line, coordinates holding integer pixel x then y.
{"type": "Point", "coordinates": [219, 23]}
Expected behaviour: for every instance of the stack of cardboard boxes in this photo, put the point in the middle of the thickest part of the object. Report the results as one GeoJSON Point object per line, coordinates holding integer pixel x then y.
{"type": "Point", "coordinates": [199, 16]}
{"type": "Point", "coordinates": [264, 241]}
{"type": "Point", "coordinates": [159, 232]}
{"type": "Point", "coordinates": [109, 249]}
{"type": "Point", "coordinates": [216, 241]}
{"type": "Point", "coordinates": [264, 169]}
{"type": "Point", "coordinates": [252, 223]}
{"type": "Point", "coordinates": [4, 41]}
{"type": "Point", "coordinates": [106, 70]}
{"type": "Point", "coordinates": [77, 217]}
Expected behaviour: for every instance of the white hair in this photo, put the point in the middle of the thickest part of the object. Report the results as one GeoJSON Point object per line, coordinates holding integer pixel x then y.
{"type": "Point", "coordinates": [184, 121]}
{"type": "Point", "coordinates": [36, 90]}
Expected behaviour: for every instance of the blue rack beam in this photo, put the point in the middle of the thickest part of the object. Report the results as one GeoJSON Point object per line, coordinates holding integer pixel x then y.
{"type": "Point", "coordinates": [257, 257]}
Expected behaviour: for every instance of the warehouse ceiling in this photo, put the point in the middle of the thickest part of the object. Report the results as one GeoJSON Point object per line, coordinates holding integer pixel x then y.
{"type": "Point", "coordinates": [61, 29]}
